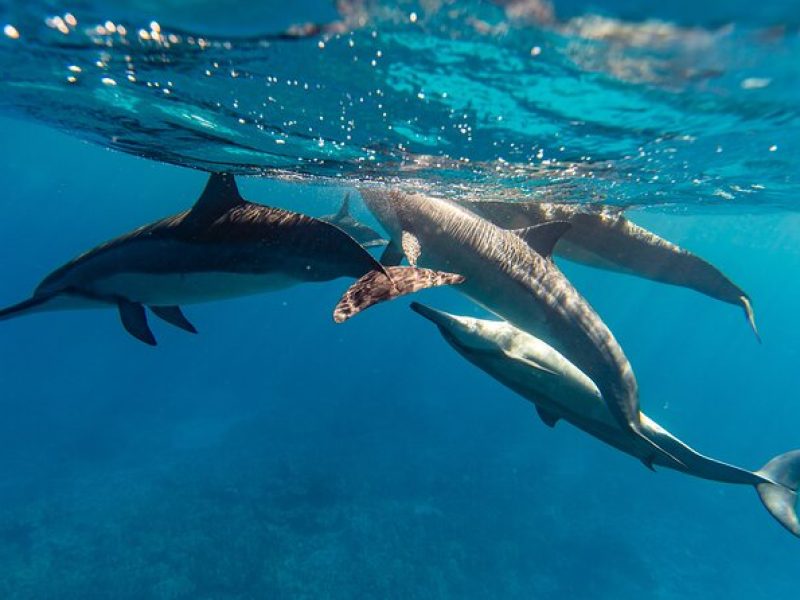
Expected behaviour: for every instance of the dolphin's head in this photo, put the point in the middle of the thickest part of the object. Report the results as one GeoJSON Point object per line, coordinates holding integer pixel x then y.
{"type": "Point", "coordinates": [465, 334]}
{"type": "Point", "coordinates": [51, 285]}
{"type": "Point", "coordinates": [522, 361]}
{"type": "Point", "coordinates": [62, 279]}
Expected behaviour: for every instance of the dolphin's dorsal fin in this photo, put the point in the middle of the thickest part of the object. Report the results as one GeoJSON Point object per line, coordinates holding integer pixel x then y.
{"type": "Point", "coordinates": [220, 195]}
{"type": "Point", "coordinates": [528, 361]}
{"type": "Point", "coordinates": [543, 237]}
{"type": "Point", "coordinates": [344, 209]}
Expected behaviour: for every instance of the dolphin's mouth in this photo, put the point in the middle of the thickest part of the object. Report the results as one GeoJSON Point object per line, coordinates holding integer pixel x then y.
{"type": "Point", "coordinates": [436, 317]}
{"type": "Point", "coordinates": [446, 324]}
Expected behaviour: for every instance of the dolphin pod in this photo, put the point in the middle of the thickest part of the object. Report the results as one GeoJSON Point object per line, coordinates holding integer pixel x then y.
{"type": "Point", "coordinates": [560, 390]}
{"type": "Point", "coordinates": [223, 247]}
{"type": "Point", "coordinates": [602, 237]}
{"type": "Point", "coordinates": [551, 346]}
{"type": "Point", "coordinates": [511, 274]}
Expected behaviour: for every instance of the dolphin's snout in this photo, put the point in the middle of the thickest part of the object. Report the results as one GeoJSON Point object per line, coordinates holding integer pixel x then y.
{"type": "Point", "coordinates": [436, 317]}
{"type": "Point", "coordinates": [460, 332]}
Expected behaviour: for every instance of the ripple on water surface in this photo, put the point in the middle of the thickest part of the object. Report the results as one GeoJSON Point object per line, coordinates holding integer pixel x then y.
{"type": "Point", "coordinates": [508, 99]}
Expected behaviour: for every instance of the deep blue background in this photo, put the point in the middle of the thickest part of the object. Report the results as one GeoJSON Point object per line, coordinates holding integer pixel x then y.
{"type": "Point", "coordinates": [279, 455]}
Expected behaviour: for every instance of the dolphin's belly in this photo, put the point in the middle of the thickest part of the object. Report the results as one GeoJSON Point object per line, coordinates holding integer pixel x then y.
{"type": "Point", "coordinates": [558, 391]}
{"type": "Point", "coordinates": [576, 404]}
{"type": "Point", "coordinates": [571, 400]}
{"type": "Point", "coordinates": [581, 253]}
{"type": "Point", "coordinates": [583, 408]}
{"type": "Point", "coordinates": [158, 289]}
{"type": "Point", "coordinates": [515, 305]}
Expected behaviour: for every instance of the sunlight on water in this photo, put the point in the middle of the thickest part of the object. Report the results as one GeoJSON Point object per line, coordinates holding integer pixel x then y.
{"type": "Point", "coordinates": [467, 98]}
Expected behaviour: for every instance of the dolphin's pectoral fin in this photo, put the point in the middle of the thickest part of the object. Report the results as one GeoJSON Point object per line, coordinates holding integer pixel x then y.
{"type": "Point", "coordinates": [392, 255]}
{"type": "Point", "coordinates": [411, 248]}
{"type": "Point", "coordinates": [547, 417]}
{"type": "Point", "coordinates": [648, 462]}
{"type": "Point", "coordinates": [134, 320]}
{"type": "Point", "coordinates": [387, 284]}
{"type": "Point", "coordinates": [527, 361]}
{"type": "Point", "coordinates": [543, 237]}
{"type": "Point", "coordinates": [174, 316]}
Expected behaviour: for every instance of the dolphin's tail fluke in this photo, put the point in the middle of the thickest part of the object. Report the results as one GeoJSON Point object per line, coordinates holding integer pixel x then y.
{"type": "Point", "coordinates": [377, 286]}
{"type": "Point", "coordinates": [779, 494]}
{"type": "Point", "coordinates": [26, 306]}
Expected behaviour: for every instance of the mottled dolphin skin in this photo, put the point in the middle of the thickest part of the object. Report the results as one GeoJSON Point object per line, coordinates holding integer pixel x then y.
{"type": "Point", "coordinates": [512, 275]}
{"type": "Point", "coordinates": [364, 235]}
{"type": "Point", "coordinates": [223, 247]}
{"type": "Point", "coordinates": [602, 237]}
{"type": "Point", "coordinates": [560, 390]}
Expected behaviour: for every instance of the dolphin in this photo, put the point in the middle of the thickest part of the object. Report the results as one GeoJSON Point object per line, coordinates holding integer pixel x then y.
{"type": "Point", "coordinates": [223, 247]}
{"type": "Point", "coordinates": [366, 236]}
{"type": "Point", "coordinates": [602, 237]}
{"type": "Point", "coordinates": [512, 275]}
{"type": "Point", "coordinates": [560, 390]}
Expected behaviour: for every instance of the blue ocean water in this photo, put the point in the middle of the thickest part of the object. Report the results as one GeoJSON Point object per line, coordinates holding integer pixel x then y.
{"type": "Point", "coordinates": [278, 455]}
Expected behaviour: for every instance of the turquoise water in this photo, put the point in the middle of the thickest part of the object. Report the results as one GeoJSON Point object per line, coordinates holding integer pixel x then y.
{"type": "Point", "coordinates": [278, 455]}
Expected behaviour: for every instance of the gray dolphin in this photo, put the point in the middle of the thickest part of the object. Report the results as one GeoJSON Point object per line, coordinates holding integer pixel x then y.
{"type": "Point", "coordinates": [560, 390]}
{"type": "Point", "coordinates": [602, 237]}
{"type": "Point", "coordinates": [366, 236]}
{"type": "Point", "coordinates": [223, 247]}
{"type": "Point", "coordinates": [513, 276]}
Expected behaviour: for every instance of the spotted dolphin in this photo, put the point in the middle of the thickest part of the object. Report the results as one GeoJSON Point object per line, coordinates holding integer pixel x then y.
{"type": "Point", "coordinates": [560, 390]}
{"type": "Point", "coordinates": [512, 275]}
{"type": "Point", "coordinates": [602, 237]}
{"type": "Point", "coordinates": [223, 247]}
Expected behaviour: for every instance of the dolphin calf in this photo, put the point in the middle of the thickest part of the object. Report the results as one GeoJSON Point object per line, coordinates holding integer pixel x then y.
{"type": "Point", "coordinates": [512, 275]}
{"type": "Point", "coordinates": [602, 237]}
{"type": "Point", "coordinates": [364, 235]}
{"type": "Point", "coordinates": [222, 247]}
{"type": "Point", "coordinates": [560, 390]}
